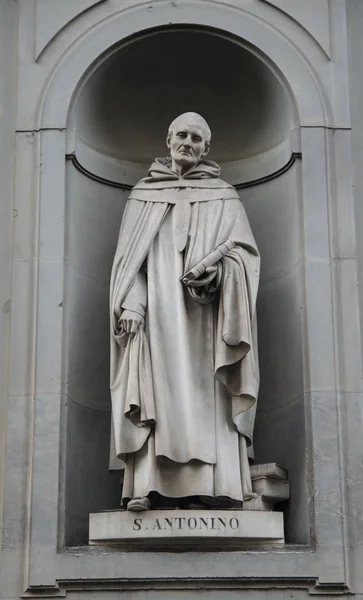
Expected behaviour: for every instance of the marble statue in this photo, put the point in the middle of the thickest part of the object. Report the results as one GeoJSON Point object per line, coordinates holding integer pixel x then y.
{"type": "Point", "coordinates": [184, 364]}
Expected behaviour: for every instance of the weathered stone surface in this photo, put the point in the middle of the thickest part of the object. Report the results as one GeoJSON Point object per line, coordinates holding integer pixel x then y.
{"type": "Point", "coordinates": [271, 488]}
{"type": "Point", "coordinates": [272, 470]}
{"type": "Point", "coordinates": [201, 260]}
{"type": "Point", "coordinates": [269, 482]}
{"type": "Point", "coordinates": [310, 312]}
{"type": "Point", "coordinates": [187, 528]}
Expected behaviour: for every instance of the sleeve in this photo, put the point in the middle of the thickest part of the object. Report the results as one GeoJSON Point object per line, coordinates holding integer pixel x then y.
{"type": "Point", "coordinates": [136, 297]}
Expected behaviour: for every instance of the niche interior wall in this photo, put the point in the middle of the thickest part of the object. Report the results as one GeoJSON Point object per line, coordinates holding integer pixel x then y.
{"type": "Point", "coordinates": [73, 170]}
{"type": "Point", "coordinates": [119, 122]}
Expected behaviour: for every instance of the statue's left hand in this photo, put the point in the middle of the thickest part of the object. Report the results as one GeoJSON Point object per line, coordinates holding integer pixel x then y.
{"type": "Point", "coordinates": [204, 288]}
{"type": "Point", "coordinates": [207, 278]}
{"type": "Point", "coordinates": [130, 321]}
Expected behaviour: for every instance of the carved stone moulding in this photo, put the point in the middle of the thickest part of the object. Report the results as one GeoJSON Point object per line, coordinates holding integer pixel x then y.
{"type": "Point", "coordinates": [321, 567]}
{"type": "Point", "coordinates": [188, 529]}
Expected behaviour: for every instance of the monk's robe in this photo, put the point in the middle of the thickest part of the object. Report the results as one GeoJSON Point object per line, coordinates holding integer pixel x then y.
{"type": "Point", "coordinates": [184, 388]}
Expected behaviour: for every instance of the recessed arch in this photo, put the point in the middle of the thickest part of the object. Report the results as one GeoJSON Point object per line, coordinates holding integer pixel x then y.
{"type": "Point", "coordinates": [121, 113]}
{"type": "Point", "coordinates": [319, 207]}
{"type": "Point", "coordinates": [95, 45]}
{"type": "Point", "coordinates": [135, 93]}
{"type": "Point", "coordinates": [93, 214]}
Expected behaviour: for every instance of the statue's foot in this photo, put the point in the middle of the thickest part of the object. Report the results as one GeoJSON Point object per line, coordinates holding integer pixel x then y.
{"type": "Point", "coordinates": [139, 504]}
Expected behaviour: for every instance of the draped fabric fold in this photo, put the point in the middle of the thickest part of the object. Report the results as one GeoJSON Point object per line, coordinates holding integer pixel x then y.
{"type": "Point", "coordinates": [134, 411]}
{"type": "Point", "coordinates": [236, 355]}
{"type": "Point", "coordinates": [184, 388]}
{"type": "Point", "coordinates": [139, 226]}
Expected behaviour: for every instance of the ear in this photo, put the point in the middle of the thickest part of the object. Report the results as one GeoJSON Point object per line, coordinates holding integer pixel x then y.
{"type": "Point", "coordinates": [168, 137]}
{"type": "Point", "coordinates": [206, 149]}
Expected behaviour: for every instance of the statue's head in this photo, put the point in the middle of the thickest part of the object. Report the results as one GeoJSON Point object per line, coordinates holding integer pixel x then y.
{"type": "Point", "coordinates": [188, 139]}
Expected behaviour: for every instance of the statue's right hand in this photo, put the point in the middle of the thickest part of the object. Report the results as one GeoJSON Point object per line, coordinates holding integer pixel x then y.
{"type": "Point", "coordinates": [130, 321]}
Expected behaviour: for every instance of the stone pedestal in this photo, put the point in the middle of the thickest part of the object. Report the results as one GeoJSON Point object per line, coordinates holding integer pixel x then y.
{"type": "Point", "coordinates": [187, 529]}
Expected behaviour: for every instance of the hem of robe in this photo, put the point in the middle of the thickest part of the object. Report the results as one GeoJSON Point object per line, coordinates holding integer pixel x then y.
{"type": "Point", "coordinates": [145, 473]}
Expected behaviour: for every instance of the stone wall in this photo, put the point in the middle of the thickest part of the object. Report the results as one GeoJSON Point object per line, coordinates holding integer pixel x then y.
{"type": "Point", "coordinates": [63, 182]}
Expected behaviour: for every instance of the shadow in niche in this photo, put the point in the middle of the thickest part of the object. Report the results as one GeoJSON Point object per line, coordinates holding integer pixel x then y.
{"type": "Point", "coordinates": [120, 119]}
{"type": "Point", "coordinates": [93, 216]}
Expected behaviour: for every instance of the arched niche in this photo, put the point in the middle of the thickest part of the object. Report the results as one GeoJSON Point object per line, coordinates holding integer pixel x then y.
{"type": "Point", "coordinates": [123, 111]}
{"type": "Point", "coordinates": [119, 120]}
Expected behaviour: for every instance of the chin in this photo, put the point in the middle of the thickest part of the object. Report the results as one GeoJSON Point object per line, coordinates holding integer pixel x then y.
{"type": "Point", "coordinates": [185, 162]}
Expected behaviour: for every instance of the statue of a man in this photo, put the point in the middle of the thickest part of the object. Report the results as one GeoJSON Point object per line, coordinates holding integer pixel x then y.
{"type": "Point", "coordinates": [184, 367]}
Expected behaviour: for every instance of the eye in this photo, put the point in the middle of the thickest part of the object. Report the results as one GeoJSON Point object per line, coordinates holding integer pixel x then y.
{"type": "Point", "coordinates": [181, 134]}
{"type": "Point", "coordinates": [197, 139]}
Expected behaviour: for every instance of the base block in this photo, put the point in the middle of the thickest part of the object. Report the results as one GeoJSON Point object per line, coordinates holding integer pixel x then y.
{"type": "Point", "coordinates": [187, 529]}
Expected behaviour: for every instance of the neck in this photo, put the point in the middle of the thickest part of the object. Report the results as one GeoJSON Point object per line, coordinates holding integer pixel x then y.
{"type": "Point", "coordinates": [180, 169]}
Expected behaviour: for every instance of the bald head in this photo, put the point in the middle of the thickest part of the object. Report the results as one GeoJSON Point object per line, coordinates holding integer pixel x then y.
{"type": "Point", "coordinates": [191, 118]}
{"type": "Point", "coordinates": [188, 140]}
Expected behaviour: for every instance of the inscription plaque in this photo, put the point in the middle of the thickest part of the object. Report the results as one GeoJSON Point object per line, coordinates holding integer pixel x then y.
{"type": "Point", "coordinates": [187, 528]}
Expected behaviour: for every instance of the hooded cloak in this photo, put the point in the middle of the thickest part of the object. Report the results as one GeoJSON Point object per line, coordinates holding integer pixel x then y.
{"type": "Point", "coordinates": [184, 388]}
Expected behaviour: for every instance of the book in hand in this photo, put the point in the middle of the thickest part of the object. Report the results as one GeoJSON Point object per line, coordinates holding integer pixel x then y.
{"type": "Point", "coordinates": [208, 261]}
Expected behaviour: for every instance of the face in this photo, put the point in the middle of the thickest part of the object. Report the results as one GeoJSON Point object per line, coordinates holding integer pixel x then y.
{"type": "Point", "coordinates": [187, 143]}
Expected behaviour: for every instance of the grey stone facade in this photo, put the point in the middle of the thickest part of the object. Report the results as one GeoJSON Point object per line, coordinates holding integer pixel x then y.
{"type": "Point", "coordinates": [73, 76]}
